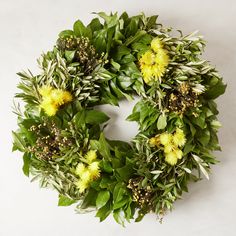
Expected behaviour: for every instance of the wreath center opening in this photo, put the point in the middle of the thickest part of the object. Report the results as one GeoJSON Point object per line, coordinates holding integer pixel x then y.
{"type": "Point", "coordinates": [118, 128]}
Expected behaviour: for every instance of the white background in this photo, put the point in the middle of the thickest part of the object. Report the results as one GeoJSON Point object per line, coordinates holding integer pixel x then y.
{"type": "Point", "coordinates": [29, 27]}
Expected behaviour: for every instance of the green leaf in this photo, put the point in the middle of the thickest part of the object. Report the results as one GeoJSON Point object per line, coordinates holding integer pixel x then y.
{"type": "Point", "coordinates": [69, 55]}
{"type": "Point", "coordinates": [120, 51]}
{"type": "Point", "coordinates": [216, 90]}
{"type": "Point", "coordinates": [102, 198]}
{"type": "Point", "coordinates": [90, 199]}
{"type": "Point", "coordinates": [204, 137]}
{"type": "Point", "coordinates": [111, 20]}
{"type": "Point", "coordinates": [202, 165]}
{"type": "Point", "coordinates": [65, 201]}
{"type": "Point", "coordinates": [66, 33]}
{"type": "Point", "coordinates": [132, 27]}
{"type": "Point", "coordinates": [80, 29]}
{"type": "Point", "coordinates": [136, 37]}
{"type": "Point", "coordinates": [79, 118]}
{"type": "Point", "coordinates": [18, 142]}
{"type": "Point", "coordinates": [95, 117]}
{"type": "Point", "coordinates": [104, 147]}
{"type": "Point", "coordinates": [135, 116]}
{"type": "Point", "coordinates": [95, 25]}
{"type": "Point", "coordinates": [104, 212]}
{"type": "Point", "coordinates": [161, 122]}
{"type": "Point", "coordinates": [118, 216]}
{"type": "Point", "coordinates": [120, 197]}
{"type": "Point", "coordinates": [199, 121]}
{"type": "Point", "coordinates": [26, 165]}
{"type": "Point", "coordinates": [121, 203]}
{"type": "Point", "coordinates": [95, 144]}
{"type": "Point", "coordinates": [151, 21]}
{"type": "Point", "coordinates": [126, 171]}
{"type": "Point", "coordinates": [99, 40]}
{"type": "Point", "coordinates": [115, 65]}
{"type": "Point", "coordinates": [106, 166]}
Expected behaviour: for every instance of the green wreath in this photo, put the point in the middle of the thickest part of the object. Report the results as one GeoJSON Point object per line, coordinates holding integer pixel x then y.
{"type": "Point", "coordinates": [61, 127]}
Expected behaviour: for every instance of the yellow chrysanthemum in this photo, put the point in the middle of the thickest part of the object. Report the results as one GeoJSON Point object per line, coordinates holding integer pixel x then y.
{"type": "Point", "coordinates": [80, 169]}
{"type": "Point", "coordinates": [82, 185]}
{"type": "Point", "coordinates": [153, 63]}
{"type": "Point", "coordinates": [178, 153]}
{"type": "Point", "coordinates": [45, 91]}
{"type": "Point", "coordinates": [57, 95]}
{"type": "Point", "coordinates": [162, 58]}
{"type": "Point", "coordinates": [49, 108]}
{"type": "Point", "coordinates": [165, 138]}
{"type": "Point", "coordinates": [171, 158]}
{"type": "Point", "coordinates": [148, 58]}
{"type": "Point", "coordinates": [179, 138]}
{"type": "Point", "coordinates": [156, 44]}
{"type": "Point", "coordinates": [67, 97]}
{"type": "Point", "coordinates": [86, 176]}
{"type": "Point", "coordinates": [91, 156]}
{"type": "Point", "coordinates": [147, 72]}
{"type": "Point", "coordinates": [94, 170]}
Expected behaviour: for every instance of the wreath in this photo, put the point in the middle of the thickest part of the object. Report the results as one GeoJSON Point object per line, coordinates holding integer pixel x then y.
{"type": "Point", "coordinates": [113, 58]}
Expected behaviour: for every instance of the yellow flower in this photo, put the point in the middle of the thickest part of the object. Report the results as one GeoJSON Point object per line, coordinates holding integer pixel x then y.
{"type": "Point", "coordinates": [165, 138]}
{"type": "Point", "coordinates": [178, 153]}
{"type": "Point", "coordinates": [156, 44]}
{"type": "Point", "coordinates": [153, 64]}
{"type": "Point", "coordinates": [57, 95]}
{"type": "Point", "coordinates": [162, 58]}
{"type": "Point", "coordinates": [147, 73]}
{"type": "Point", "coordinates": [82, 185]}
{"type": "Point", "coordinates": [49, 108]}
{"type": "Point", "coordinates": [148, 58]}
{"type": "Point", "coordinates": [171, 158]}
{"type": "Point", "coordinates": [80, 169]}
{"type": "Point", "coordinates": [91, 156]}
{"type": "Point", "coordinates": [86, 176]}
{"type": "Point", "coordinates": [154, 141]}
{"type": "Point", "coordinates": [179, 138]}
{"type": "Point", "coordinates": [52, 99]}
{"type": "Point", "coordinates": [67, 97]}
{"type": "Point", "coordinates": [94, 170]}
{"type": "Point", "coordinates": [45, 90]}
{"type": "Point", "coordinates": [169, 147]}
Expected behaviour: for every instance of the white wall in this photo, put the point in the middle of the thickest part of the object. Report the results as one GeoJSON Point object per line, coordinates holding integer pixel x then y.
{"type": "Point", "coordinates": [28, 27]}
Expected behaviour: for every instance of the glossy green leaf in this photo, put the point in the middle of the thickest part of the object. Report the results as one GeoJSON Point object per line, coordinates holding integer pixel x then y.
{"type": "Point", "coordinates": [65, 201]}
{"type": "Point", "coordinates": [102, 198]}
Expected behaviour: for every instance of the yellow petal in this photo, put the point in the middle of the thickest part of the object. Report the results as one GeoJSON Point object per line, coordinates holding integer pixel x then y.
{"type": "Point", "coordinates": [179, 138]}
{"type": "Point", "coordinates": [94, 170]}
{"type": "Point", "coordinates": [57, 96]}
{"type": "Point", "coordinates": [148, 58]}
{"type": "Point", "coordinates": [80, 169]}
{"type": "Point", "coordinates": [154, 141]}
{"type": "Point", "coordinates": [156, 44]}
{"type": "Point", "coordinates": [178, 153]}
{"type": "Point", "coordinates": [165, 138]}
{"type": "Point", "coordinates": [86, 176]}
{"type": "Point", "coordinates": [49, 108]}
{"type": "Point", "coordinates": [67, 97]}
{"type": "Point", "coordinates": [91, 156]}
{"type": "Point", "coordinates": [171, 158]}
{"type": "Point", "coordinates": [45, 90]}
{"type": "Point", "coordinates": [169, 147]}
{"type": "Point", "coordinates": [82, 186]}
